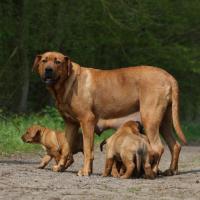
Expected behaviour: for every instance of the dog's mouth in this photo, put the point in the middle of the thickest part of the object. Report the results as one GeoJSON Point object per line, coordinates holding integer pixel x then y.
{"type": "Point", "coordinates": [50, 81]}
{"type": "Point", "coordinates": [27, 141]}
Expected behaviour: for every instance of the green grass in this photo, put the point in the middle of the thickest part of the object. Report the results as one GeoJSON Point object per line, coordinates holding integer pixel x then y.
{"type": "Point", "coordinates": [191, 130]}
{"type": "Point", "coordinates": [14, 126]}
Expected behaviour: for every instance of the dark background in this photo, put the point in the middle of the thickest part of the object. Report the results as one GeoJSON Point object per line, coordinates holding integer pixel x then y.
{"type": "Point", "coordinates": [99, 33]}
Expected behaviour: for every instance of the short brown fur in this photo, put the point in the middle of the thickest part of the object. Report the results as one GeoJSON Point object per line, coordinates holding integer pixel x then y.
{"type": "Point", "coordinates": [131, 148]}
{"type": "Point", "coordinates": [53, 142]}
{"type": "Point", "coordinates": [85, 95]}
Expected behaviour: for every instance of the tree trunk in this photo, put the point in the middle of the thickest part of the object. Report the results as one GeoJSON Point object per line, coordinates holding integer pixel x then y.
{"type": "Point", "coordinates": [25, 63]}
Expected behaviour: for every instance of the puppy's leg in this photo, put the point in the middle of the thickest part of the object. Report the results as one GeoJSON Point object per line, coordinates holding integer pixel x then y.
{"type": "Point", "coordinates": [127, 160]}
{"type": "Point", "coordinates": [115, 169]}
{"type": "Point", "coordinates": [60, 159]}
{"type": "Point", "coordinates": [122, 170]}
{"type": "Point", "coordinates": [69, 162]}
{"type": "Point", "coordinates": [149, 174]}
{"type": "Point", "coordinates": [108, 166]}
{"type": "Point", "coordinates": [70, 131]}
{"type": "Point", "coordinates": [45, 160]}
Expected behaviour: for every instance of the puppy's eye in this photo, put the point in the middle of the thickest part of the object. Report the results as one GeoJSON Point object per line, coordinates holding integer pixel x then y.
{"type": "Point", "coordinates": [44, 61]}
{"type": "Point", "coordinates": [57, 62]}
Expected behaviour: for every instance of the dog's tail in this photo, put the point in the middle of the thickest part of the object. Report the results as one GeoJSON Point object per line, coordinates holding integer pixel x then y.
{"type": "Point", "coordinates": [139, 160]}
{"type": "Point", "coordinates": [175, 111]}
{"type": "Point", "coordinates": [102, 144]}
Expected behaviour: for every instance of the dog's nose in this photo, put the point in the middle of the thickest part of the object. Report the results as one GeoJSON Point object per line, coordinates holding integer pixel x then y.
{"type": "Point", "coordinates": [48, 72]}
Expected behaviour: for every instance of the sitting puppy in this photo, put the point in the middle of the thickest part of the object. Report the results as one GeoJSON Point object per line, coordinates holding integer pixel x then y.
{"type": "Point", "coordinates": [130, 148]}
{"type": "Point", "coordinates": [52, 142]}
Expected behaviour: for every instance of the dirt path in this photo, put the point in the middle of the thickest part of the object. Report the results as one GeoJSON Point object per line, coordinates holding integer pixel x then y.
{"type": "Point", "coordinates": [20, 179]}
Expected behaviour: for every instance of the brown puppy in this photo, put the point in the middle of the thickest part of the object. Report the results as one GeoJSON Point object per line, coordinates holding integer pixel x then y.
{"type": "Point", "coordinates": [85, 95]}
{"type": "Point", "coordinates": [53, 142]}
{"type": "Point", "coordinates": [129, 147]}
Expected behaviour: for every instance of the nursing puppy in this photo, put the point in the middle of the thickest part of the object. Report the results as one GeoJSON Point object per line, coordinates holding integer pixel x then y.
{"type": "Point", "coordinates": [130, 148]}
{"type": "Point", "coordinates": [53, 142]}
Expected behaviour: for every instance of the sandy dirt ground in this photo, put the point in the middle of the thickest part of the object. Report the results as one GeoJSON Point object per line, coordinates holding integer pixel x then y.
{"type": "Point", "coordinates": [20, 179]}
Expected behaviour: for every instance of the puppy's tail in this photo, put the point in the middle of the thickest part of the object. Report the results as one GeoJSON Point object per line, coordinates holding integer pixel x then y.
{"type": "Point", "coordinates": [102, 144]}
{"type": "Point", "coordinates": [139, 160]}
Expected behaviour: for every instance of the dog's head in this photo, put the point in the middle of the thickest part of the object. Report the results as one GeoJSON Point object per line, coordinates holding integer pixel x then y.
{"type": "Point", "coordinates": [32, 134]}
{"type": "Point", "coordinates": [134, 126]}
{"type": "Point", "coordinates": [52, 67]}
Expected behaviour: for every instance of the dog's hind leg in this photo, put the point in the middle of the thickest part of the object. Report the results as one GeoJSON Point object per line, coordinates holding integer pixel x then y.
{"type": "Point", "coordinates": [175, 148]}
{"type": "Point", "coordinates": [151, 119]}
{"type": "Point", "coordinates": [108, 166]}
{"type": "Point", "coordinates": [129, 164]}
{"type": "Point", "coordinates": [115, 169]}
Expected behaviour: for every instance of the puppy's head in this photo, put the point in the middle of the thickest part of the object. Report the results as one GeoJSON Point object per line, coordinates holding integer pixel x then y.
{"type": "Point", "coordinates": [32, 134]}
{"type": "Point", "coordinates": [134, 126]}
{"type": "Point", "coordinates": [52, 67]}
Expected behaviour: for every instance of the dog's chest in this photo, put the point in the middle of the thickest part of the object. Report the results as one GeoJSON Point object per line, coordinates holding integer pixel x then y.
{"type": "Point", "coordinates": [66, 111]}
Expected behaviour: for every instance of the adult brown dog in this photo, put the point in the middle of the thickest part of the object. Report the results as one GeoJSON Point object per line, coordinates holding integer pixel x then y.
{"type": "Point", "coordinates": [131, 148]}
{"type": "Point", "coordinates": [53, 142]}
{"type": "Point", "coordinates": [84, 95]}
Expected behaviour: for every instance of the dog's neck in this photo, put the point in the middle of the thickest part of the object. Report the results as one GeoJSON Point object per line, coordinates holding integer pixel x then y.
{"type": "Point", "coordinates": [43, 135]}
{"type": "Point", "coordinates": [53, 142]}
{"type": "Point", "coordinates": [62, 89]}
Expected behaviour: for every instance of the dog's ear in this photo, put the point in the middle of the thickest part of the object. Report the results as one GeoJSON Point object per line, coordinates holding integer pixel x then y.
{"type": "Point", "coordinates": [68, 65]}
{"type": "Point", "coordinates": [36, 62]}
{"type": "Point", "coordinates": [140, 127]}
{"type": "Point", "coordinates": [35, 134]}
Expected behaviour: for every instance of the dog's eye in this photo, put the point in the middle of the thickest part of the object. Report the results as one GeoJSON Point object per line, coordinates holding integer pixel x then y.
{"type": "Point", "coordinates": [44, 61]}
{"type": "Point", "coordinates": [57, 62]}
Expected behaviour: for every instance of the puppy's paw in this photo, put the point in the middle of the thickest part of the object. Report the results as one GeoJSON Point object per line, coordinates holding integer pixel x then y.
{"type": "Point", "coordinates": [124, 177]}
{"type": "Point", "coordinates": [41, 167]}
{"type": "Point", "coordinates": [116, 175]}
{"type": "Point", "coordinates": [149, 176]}
{"type": "Point", "coordinates": [56, 168]}
{"type": "Point", "coordinates": [104, 175]}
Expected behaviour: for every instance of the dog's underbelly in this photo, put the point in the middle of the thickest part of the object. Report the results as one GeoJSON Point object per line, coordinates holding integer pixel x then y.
{"type": "Point", "coordinates": [116, 108]}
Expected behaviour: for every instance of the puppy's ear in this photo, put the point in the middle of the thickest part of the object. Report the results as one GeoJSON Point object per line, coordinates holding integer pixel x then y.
{"type": "Point", "coordinates": [140, 127]}
{"type": "Point", "coordinates": [36, 62]}
{"type": "Point", "coordinates": [68, 65]}
{"type": "Point", "coordinates": [36, 134]}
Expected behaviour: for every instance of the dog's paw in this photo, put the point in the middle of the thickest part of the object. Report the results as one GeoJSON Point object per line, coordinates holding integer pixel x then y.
{"type": "Point", "coordinates": [41, 167]}
{"type": "Point", "coordinates": [159, 172]}
{"type": "Point", "coordinates": [104, 175]}
{"type": "Point", "coordinates": [149, 176]}
{"type": "Point", "coordinates": [170, 172]}
{"type": "Point", "coordinates": [83, 172]}
{"type": "Point", "coordinates": [56, 168]}
{"type": "Point", "coordinates": [115, 175]}
{"type": "Point", "coordinates": [124, 177]}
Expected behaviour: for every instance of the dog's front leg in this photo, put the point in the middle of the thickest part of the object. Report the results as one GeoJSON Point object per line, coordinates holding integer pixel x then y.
{"type": "Point", "coordinates": [87, 125]}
